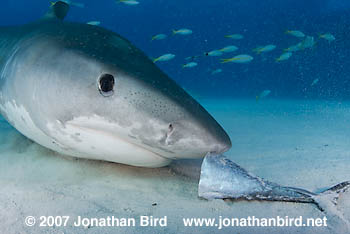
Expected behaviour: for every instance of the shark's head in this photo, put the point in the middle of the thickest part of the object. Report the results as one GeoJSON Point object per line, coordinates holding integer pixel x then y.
{"type": "Point", "coordinates": [97, 96]}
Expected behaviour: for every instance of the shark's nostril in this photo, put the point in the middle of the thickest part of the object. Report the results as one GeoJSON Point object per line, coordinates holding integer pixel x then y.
{"type": "Point", "coordinates": [171, 128]}
{"type": "Point", "coordinates": [168, 134]}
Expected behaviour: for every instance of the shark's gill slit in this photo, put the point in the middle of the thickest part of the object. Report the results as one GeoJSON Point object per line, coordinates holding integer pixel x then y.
{"type": "Point", "coordinates": [106, 84]}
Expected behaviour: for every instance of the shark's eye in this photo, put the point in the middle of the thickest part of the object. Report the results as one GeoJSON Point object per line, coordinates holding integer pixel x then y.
{"type": "Point", "coordinates": [106, 84]}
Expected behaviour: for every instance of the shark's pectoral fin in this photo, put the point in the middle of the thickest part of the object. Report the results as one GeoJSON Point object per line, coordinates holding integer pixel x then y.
{"type": "Point", "coordinates": [58, 10]}
{"type": "Point", "coordinates": [222, 178]}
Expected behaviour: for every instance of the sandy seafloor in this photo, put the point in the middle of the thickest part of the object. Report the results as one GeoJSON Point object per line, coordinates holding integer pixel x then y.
{"type": "Point", "coordinates": [297, 143]}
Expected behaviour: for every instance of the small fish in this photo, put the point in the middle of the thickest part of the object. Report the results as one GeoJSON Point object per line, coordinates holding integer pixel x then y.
{"type": "Point", "coordinates": [263, 94]}
{"type": "Point", "coordinates": [192, 57]}
{"type": "Point", "coordinates": [96, 23]}
{"type": "Point", "coordinates": [295, 33]}
{"type": "Point", "coordinates": [129, 2]}
{"type": "Point", "coordinates": [214, 53]}
{"type": "Point", "coordinates": [229, 49]}
{"type": "Point", "coordinates": [235, 36]}
{"type": "Point", "coordinates": [165, 57]}
{"type": "Point", "coordinates": [188, 65]}
{"type": "Point", "coordinates": [314, 82]}
{"type": "Point", "coordinates": [284, 56]}
{"type": "Point", "coordinates": [52, 3]}
{"type": "Point", "coordinates": [329, 37]}
{"type": "Point", "coordinates": [264, 49]}
{"type": "Point", "coordinates": [159, 37]}
{"type": "Point", "coordinates": [242, 58]}
{"type": "Point", "coordinates": [295, 48]}
{"type": "Point", "coordinates": [182, 31]}
{"type": "Point", "coordinates": [216, 71]}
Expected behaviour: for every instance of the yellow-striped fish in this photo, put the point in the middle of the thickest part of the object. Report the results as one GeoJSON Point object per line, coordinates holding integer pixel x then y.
{"type": "Point", "coordinates": [242, 58]}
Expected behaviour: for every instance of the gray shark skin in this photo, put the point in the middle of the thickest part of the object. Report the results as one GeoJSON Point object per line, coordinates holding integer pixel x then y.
{"type": "Point", "coordinates": [84, 91]}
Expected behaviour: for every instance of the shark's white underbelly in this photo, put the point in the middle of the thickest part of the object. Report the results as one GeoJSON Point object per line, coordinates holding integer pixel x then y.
{"type": "Point", "coordinates": [82, 142]}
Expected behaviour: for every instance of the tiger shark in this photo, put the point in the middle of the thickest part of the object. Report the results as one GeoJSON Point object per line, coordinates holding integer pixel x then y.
{"type": "Point", "coordinates": [87, 92]}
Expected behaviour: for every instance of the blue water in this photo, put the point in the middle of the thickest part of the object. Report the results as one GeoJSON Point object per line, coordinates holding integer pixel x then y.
{"type": "Point", "coordinates": [261, 22]}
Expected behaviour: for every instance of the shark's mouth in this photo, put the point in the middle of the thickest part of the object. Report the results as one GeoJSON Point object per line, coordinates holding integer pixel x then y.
{"type": "Point", "coordinates": [91, 140]}
{"type": "Point", "coordinates": [103, 134]}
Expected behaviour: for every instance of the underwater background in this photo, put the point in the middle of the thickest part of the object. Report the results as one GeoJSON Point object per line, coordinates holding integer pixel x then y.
{"type": "Point", "coordinates": [299, 136]}
{"type": "Point", "coordinates": [260, 22]}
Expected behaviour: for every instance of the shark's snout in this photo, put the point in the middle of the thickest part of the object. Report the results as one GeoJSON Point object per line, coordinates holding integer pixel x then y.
{"type": "Point", "coordinates": [191, 137]}
{"type": "Point", "coordinates": [221, 146]}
